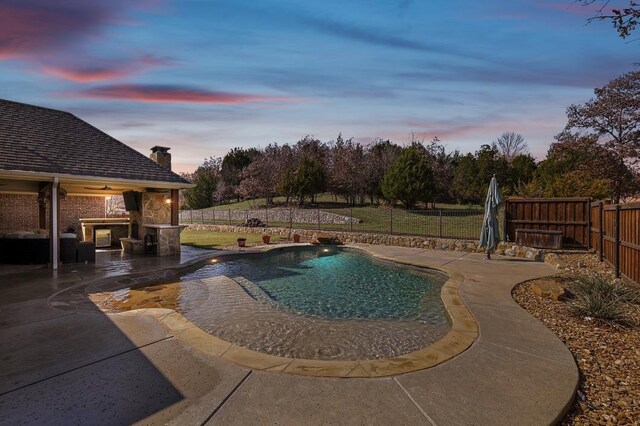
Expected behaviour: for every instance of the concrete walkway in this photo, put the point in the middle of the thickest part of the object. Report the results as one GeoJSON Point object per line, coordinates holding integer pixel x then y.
{"type": "Point", "coordinates": [66, 367]}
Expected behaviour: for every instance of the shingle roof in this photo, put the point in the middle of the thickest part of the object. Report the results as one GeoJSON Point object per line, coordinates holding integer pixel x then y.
{"type": "Point", "coordinates": [37, 139]}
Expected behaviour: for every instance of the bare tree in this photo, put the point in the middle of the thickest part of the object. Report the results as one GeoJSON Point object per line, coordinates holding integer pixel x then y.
{"type": "Point", "coordinates": [624, 19]}
{"type": "Point", "coordinates": [114, 206]}
{"type": "Point", "coordinates": [613, 119]}
{"type": "Point", "coordinates": [510, 145]}
{"type": "Point", "coordinates": [346, 170]}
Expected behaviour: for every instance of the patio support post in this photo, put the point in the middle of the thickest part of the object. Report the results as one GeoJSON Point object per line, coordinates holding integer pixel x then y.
{"type": "Point", "coordinates": [42, 207]}
{"type": "Point", "coordinates": [175, 213]}
{"type": "Point", "coordinates": [54, 234]}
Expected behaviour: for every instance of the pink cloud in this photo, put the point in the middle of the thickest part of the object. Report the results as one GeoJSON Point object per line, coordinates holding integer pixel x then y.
{"type": "Point", "coordinates": [86, 75]}
{"type": "Point", "coordinates": [109, 71]}
{"type": "Point", "coordinates": [173, 94]}
{"type": "Point", "coordinates": [29, 28]}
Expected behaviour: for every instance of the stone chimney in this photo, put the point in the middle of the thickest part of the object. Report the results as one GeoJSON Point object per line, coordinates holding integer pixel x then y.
{"type": "Point", "coordinates": [160, 154]}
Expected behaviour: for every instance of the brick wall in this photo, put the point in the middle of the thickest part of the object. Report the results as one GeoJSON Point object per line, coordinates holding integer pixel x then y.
{"type": "Point", "coordinates": [72, 208]}
{"type": "Point", "coordinates": [18, 212]}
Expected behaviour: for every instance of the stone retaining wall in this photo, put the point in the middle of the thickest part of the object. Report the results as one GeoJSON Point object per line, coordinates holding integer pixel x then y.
{"type": "Point", "coordinates": [266, 216]}
{"type": "Point", "coordinates": [507, 249]}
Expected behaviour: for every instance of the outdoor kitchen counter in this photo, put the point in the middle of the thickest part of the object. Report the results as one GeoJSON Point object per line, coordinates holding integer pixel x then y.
{"type": "Point", "coordinates": [120, 227]}
{"type": "Point", "coordinates": [167, 238]}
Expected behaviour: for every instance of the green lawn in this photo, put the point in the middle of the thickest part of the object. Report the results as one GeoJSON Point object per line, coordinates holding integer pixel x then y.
{"type": "Point", "coordinates": [446, 221]}
{"type": "Point", "coordinates": [217, 240]}
{"type": "Point", "coordinates": [452, 224]}
{"type": "Point", "coordinates": [324, 201]}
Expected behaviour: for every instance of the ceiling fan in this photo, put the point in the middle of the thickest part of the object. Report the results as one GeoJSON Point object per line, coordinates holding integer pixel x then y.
{"type": "Point", "coordinates": [104, 188]}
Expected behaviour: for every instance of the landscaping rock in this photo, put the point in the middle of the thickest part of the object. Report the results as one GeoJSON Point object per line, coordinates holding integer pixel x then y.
{"type": "Point", "coordinates": [325, 239]}
{"type": "Point", "coordinates": [513, 251]}
{"type": "Point", "coordinates": [534, 254]}
{"type": "Point", "coordinates": [607, 356]}
{"type": "Point", "coordinates": [554, 260]}
{"type": "Point", "coordinates": [550, 289]}
{"type": "Point", "coordinates": [432, 243]}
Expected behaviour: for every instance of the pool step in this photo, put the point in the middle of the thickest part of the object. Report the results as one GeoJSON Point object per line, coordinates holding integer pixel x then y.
{"type": "Point", "coordinates": [254, 290]}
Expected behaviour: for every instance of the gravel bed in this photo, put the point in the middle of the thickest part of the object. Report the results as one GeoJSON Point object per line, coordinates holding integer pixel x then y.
{"type": "Point", "coordinates": [608, 356]}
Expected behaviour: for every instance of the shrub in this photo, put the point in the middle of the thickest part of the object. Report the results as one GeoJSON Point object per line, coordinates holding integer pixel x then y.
{"type": "Point", "coordinates": [602, 298]}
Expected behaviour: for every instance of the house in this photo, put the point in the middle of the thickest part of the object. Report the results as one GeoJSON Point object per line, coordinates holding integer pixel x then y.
{"type": "Point", "coordinates": [56, 170]}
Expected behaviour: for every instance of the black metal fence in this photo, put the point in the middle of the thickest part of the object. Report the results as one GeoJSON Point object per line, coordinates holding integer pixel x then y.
{"type": "Point", "coordinates": [442, 223]}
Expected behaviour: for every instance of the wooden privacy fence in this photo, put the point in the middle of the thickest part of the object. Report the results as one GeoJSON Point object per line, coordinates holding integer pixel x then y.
{"type": "Point", "coordinates": [571, 216]}
{"type": "Point", "coordinates": [615, 233]}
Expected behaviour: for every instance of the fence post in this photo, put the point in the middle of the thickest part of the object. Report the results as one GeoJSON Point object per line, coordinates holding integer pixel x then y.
{"type": "Point", "coordinates": [191, 216]}
{"type": "Point", "coordinates": [202, 216]}
{"type": "Point", "coordinates": [504, 219]}
{"type": "Point", "coordinates": [617, 252]}
{"type": "Point", "coordinates": [440, 223]}
{"type": "Point", "coordinates": [290, 221]}
{"type": "Point", "coordinates": [229, 217]}
{"type": "Point", "coordinates": [391, 221]}
{"type": "Point", "coordinates": [318, 212]}
{"type": "Point", "coordinates": [351, 220]}
{"type": "Point", "coordinates": [601, 231]}
{"type": "Point", "coordinates": [589, 225]}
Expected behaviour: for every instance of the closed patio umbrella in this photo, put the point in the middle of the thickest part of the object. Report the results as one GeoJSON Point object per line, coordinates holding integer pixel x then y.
{"type": "Point", "coordinates": [490, 235]}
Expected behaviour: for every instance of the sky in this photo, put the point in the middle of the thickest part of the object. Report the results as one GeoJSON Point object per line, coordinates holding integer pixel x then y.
{"type": "Point", "coordinates": [202, 77]}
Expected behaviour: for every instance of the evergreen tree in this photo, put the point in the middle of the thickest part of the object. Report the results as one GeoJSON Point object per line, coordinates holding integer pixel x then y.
{"type": "Point", "coordinates": [409, 179]}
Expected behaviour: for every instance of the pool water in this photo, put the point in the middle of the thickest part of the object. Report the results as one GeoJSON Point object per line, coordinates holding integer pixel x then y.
{"type": "Point", "coordinates": [335, 283]}
{"type": "Point", "coordinates": [327, 303]}
{"type": "Point", "coordinates": [324, 303]}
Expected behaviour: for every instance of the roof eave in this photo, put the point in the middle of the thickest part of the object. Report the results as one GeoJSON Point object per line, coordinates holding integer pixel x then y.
{"type": "Point", "coordinates": [68, 178]}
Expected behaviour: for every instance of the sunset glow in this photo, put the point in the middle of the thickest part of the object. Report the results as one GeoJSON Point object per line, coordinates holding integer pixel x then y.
{"type": "Point", "coordinates": [204, 77]}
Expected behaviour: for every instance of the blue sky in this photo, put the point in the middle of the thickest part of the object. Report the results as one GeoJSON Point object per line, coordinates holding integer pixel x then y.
{"type": "Point", "coordinates": [205, 76]}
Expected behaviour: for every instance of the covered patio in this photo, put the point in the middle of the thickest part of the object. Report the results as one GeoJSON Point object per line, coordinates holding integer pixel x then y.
{"type": "Point", "coordinates": [56, 171]}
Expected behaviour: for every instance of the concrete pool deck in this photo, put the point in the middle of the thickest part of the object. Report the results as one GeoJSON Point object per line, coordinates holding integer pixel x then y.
{"type": "Point", "coordinates": [61, 366]}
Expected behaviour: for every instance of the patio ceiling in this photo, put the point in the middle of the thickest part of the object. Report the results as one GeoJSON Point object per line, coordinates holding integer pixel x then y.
{"type": "Point", "coordinates": [20, 182]}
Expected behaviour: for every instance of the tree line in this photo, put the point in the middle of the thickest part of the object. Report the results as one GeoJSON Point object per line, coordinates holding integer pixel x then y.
{"type": "Point", "coordinates": [595, 155]}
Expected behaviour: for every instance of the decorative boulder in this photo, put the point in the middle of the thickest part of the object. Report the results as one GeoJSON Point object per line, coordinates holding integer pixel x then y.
{"type": "Point", "coordinates": [324, 239]}
{"type": "Point", "coordinates": [554, 259]}
{"type": "Point", "coordinates": [550, 289]}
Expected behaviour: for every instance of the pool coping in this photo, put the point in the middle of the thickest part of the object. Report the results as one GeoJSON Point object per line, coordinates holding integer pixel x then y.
{"type": "Point", "coordinates": [464, 331]}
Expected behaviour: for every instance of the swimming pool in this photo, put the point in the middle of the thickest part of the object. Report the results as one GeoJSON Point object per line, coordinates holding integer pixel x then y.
{"type": "Point", "coordinates": [334, 283]}
{"type": "Point", "coordinates": [316, 303]}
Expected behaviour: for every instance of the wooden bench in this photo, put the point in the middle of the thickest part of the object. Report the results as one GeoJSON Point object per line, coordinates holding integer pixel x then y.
{"type": "Point", "coordinates": [539, 238]}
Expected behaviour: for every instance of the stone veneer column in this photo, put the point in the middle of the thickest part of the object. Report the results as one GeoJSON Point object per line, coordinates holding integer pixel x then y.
{"type": "Point", "coordinates": [155, 210]}
{"type": "Point", "coordinates": [168, 242]}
